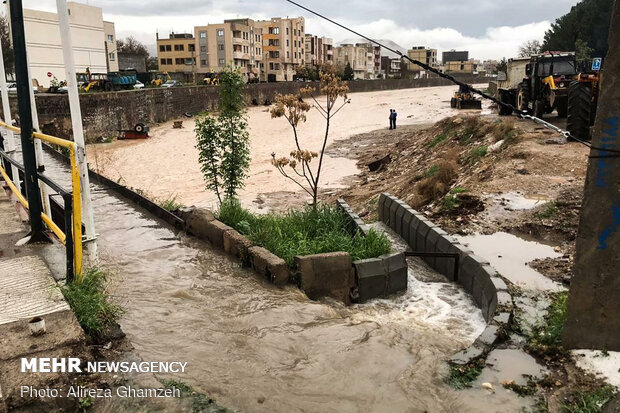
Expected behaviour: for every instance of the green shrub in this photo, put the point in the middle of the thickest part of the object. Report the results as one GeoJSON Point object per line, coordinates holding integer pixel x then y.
{"type": "Point", "coordinates": [91, 302]}
{"type": "Point", "coordinates": [462, 377]}
{"type": "Point", "coordinates": [589, 401]}
{"type": "Point", "coordinates": [451, 200]}
{"type": "Point", "coordinates": [303, 232]}
{"type": "Point", "coordinates": [546, 338]}
{"type": "Point", "coordinates": [549, 210]}
{"type": "Point", "coordinates": [170, 204]}
{"type": "Point", "coordinates": [432, 171]}
{"type": "Point", "coordinates": [477, 153]}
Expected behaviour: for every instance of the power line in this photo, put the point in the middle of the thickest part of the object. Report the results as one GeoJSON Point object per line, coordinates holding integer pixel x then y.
{"type": "Point", "coordinates": [465, 85]}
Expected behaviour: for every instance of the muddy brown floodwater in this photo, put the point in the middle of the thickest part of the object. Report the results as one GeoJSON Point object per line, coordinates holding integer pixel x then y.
{"type": "Point", "coordinates": [166, 164]}
{"type": "Point", "coordinates": [257, 348]}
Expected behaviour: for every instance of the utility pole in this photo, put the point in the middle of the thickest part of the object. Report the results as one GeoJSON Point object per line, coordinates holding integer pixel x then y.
{"type": "Point", "coordinates": [31, 179]}
{"type": "Point", "coordinates": [78, 130]}
{"type": "Point", "coordinates": [593, 319]}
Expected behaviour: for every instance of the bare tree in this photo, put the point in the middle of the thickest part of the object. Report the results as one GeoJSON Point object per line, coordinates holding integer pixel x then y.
{"type": "Point", "coordinates": [529, 48]}
{"type": "Point", "coordinates": [297, 167]}
{"type": "Point", "coordinates": [131, 45]}
{"type": "Point", "coordinates": [7, 50]}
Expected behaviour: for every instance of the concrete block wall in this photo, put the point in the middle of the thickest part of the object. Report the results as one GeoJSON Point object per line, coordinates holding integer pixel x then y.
{"type": "Point", "coordinates": [355, 222]}
{"type": "Point", "coordinates": [475, 274]}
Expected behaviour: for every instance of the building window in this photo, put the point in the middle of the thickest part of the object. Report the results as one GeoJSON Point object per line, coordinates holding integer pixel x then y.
{"type": "Point", "coordinates": [168, 48]}
{"type": "Point", "coordinates": [276, 66]}
{"type": "Point", "coordinates": [110, 38]}
{"type": "Point", "coordinates": [162, 61]}
{"type": "Point", "coordinates": [111, 56]}
{"type": "Point", "coordinates": [179, 61]}
{"type": "Point", "coordinates": [189, 61]}
{"type": "Point", "coordinates": [162, 48]}
{"type": "Point", "coordinates": [203, 48]}
{"type": "Point", "coordinates": [168, 61]}
{"type": "Point", "coordinates": [203, 62]}
{"type": "Point", "coordinates": [288, 54]}
{"type": "Point", "coordinates": [287, 31]}
{"type": "Point", "coordinates": [191, 47]}
{"type": "Point", "coordinates": [203, 35]}
{"type": "Point", "coordinates": [274, 30]}
{"type": "Point", "coordinates": [274, 54]}
{"type": "Point", "coordinates": [220, 33]}
{"type": "Point", "coordinates": [270, 65]}
{"type": "Point", "coordinates": [179, 47]}
{"type": "Point", "coordinates": [220, 47]}
{"type": "Point", "coordinates": [222, 62]}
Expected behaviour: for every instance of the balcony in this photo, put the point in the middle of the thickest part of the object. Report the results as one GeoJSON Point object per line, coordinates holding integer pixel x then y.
{"type": "Point", "coordinates": [241, 55]}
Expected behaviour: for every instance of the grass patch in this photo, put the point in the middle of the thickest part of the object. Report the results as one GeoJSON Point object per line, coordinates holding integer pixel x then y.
{"type": "Point", "coordinates": [451, 200]}
{"type": "Point", "coordinates": [477, 153]}
{"type": "Point", "coordinates": [303, 232]}
{"type": "Point", "coordinates": [589, 401]}
{"type": "Point", "coordinates": [91, 303]}
{"type": "Point", "coordinates": [549, 210]}
{"type": "Point", "coordinates": [436, 181]}
{"type": "Point", "coordinates": [199, 402]}
{"type": "Point", "coordinates": [529, 389]}
{"type": "Point", "coordinates": [438, 139]}
{"type": "Point", "coordinates": [461, 377]}
{"type": "Point", "coordinates": [170, 204]}
{"type": "Point", "coordinates": [546, 338]}
{"type": "Point", "coordinates": [505, 130]}
{"type": "Point", "coordinates": [432, 171]}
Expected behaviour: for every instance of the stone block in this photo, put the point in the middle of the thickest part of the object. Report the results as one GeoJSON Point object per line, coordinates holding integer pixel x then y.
{"type": "Point", "coordinates": [488, 336]}
{"type": "Point", "coordinates": [212, 231]}
{"type": "Point", "coordinates": [406, 226]}
{"type": "Point", "coordinates": [394, 206]}
{"type": "Point", "coordinates": [445, 265]}
{"type": "Point", "coordinates": [329, 274]}
{"type": "Point", "coordinates": [413, 233]}
{"type": "Point", "coordinates": [504, 301]}
{"type": "Point", "coordinates": [398, 220]}
{"type": "Point", "coordinates": [432, 238]}
{"type": "Point", "coordinates": [467, 272]}
{"type": "Point", "coordinates": [196, 220]}
{"type": "Point", "coordinates": [500, 285]}
{"type": "Point", "coordinates": [269, 265]}
{"type": "Point", "coordinates": [421, 232]}
{"type": "Point", "coordinates": [397, 272]}
{"type": "Point", "coordinates": [463, 252]}
{"type": "Point", "coordinates": [502, 319]}
{"type": "Point", "coordinates": [371, 278]}
{"type": "Point", "coordinates": [467, 355]}
{"type": "Point", "coordinates": [385, 201]}
{"type": "Point", "coordinates": [237, 244]}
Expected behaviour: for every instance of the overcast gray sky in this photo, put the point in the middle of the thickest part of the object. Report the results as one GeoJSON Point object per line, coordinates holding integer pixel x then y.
{"type": "Point", "coordinates": [489, 29]}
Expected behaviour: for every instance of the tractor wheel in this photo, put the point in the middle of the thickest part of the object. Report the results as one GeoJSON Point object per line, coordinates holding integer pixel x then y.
{"type": "Point", "coordinates": [139, 128]}
{"type": "Point", "coordinates": [453, 103]}
{"type": "Point", "coordinates": [579, 107]}
{"type": "Point", "coordinates": [523, 97]}
{"type": "Point", "coordinates": [501, 109]}
{"type": "Point", "coordinates": [539, 109]}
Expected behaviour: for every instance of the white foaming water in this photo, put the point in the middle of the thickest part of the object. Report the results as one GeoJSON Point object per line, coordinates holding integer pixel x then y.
{"type": "Point", "coordinates": [436, 304]}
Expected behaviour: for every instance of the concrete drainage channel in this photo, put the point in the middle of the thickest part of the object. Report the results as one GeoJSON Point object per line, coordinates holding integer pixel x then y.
{"type": "Point", "coordinates": [332, 274]}
{"type": "Point", "coordinates": [474, 273]}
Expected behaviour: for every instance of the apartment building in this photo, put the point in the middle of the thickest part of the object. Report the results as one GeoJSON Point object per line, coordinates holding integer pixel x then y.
{"type": "Point", "coordinates": [177, 55]}
{"type": "Point", "coordinates": [283, 47]}
{"type": "Point", "coordinates": [468, 66]}
{"type": "Point", "coordinates": [237, 41]}
{"type": "Point", "coordinates": [455, 56]}
{"type": "Point", "coordinates": [373, 59]}
{"type": "Point", "coordinates": [392, 67]}
{"type": "Point", "coordinates": [421, 54]}
{"type": "Point", "coordinates": [318, 50]}
{"type": "Point", "coordinates": [94, 42]}
{"type": "Point", "coordinates": [364, 58]}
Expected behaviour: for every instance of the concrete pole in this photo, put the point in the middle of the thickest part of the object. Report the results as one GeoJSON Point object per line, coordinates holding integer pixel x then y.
{"type": "Point", "coordinates": [593, 320]}
{"type": "Point", "coordinates": [6, 109]}
{"type": "Point", "coordinates": [38, 146]}
{"type": "Point", "coordinates": [78, 130]}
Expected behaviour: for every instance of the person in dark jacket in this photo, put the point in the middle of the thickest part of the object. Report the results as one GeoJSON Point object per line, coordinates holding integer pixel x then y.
{"type": "Point", "coordinates": [391, 118]}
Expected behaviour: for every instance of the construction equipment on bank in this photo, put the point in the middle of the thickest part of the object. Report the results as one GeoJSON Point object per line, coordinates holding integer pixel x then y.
{"type": "Point", "coordinates": [211, 79]}
{"type": "Point", "coordinates": [159, 78]}
{"type": "Point", "coordinates": [139, 131]}
{"type": "Point", "coordinates": [107, 81]}
{"type": "Point", "coordinates": [464, 99]}
{"type": "Point", "coordinates": [550, 81]}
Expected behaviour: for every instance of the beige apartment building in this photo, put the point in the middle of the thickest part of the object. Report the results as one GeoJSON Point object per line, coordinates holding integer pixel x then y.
{"type": "Point", "coordinates": [360, 57]}
{"type": "Point", "coordinates": [283, 47]}
{"type": "Point", "coordinates": [94, 42]}
{"type": "Point", "coordinates": [468, 66]}
{"type": "Point", "coordinates": [177, 55]}
{"type": "Point", "coordinates": [318, 50]}
{"type": "Point", "coordinates": [373, 59]}
{"type": "Point", "coordinates": [237, 42]}
{"type": "Point", "coordinates": [421, 54]}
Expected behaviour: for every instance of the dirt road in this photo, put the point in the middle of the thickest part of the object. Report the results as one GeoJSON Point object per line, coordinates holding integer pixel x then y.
{"type": "Point", "coordinates": [166, 165]}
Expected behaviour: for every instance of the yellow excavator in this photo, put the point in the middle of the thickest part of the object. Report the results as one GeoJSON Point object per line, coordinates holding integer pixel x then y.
{"type": "Point", "coordinates": [160, 78]}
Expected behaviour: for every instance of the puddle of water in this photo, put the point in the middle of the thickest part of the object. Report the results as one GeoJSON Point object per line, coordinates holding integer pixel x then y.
{"type": "Point", "coordinates": [509, 255]}
{"type": "Point", "coordinates": [255, 347]}
{"type": "Point", "coordinates": [502, 205]}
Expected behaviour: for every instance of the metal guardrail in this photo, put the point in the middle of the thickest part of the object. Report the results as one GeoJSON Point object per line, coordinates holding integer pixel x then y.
{"type": "Point", "coordinates": [72, 236]}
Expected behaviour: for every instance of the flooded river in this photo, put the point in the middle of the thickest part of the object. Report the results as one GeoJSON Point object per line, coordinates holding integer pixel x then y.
{"type": "Point", "coordinates": [256, 348]}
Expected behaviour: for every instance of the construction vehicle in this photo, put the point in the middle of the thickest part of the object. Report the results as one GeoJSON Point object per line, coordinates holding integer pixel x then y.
{"type": "Point", "coordinates": [125, 79]}
{"type": "Point", "coordinates": [97, 81]}
{"type": "Point", "coordinates": [159, 78]}
{"type": "Point", "coordinates": [582, 103]}
{"type": "Point", "coordinates": [464, 99]}
{"type": "Point", "coordinates": [537, 84]}
{"type": "Point", "coordinates": [211, 79]}
{"type": "Point", "coordinates": [107, 81]}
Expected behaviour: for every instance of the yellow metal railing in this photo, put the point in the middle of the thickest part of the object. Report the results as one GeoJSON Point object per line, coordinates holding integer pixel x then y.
{"type": "Point", "coordinates": [76, 197]}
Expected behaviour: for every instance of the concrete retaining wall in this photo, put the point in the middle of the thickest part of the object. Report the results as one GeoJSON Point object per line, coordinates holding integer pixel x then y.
{"type": "Point", "coordinates": [104, 113]}
{"type": "Point", "coordinates": [489, 291]}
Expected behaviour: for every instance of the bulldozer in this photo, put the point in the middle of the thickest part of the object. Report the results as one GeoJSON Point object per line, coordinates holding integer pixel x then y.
{"type": "Point", "coordinates": [160, 78]}
{"type": "Point", "coordinates": [464, 99]}
{"type": "Point", "coordinates": [211, 79]}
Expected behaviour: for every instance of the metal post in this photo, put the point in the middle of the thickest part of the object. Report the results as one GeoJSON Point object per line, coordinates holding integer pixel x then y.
{"type": "Point", "coordinates": [78, 130]}
{"type": "Point", "coordinates": [6, 109]}
{"type": "Point", "coordinates": [25, 115]}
